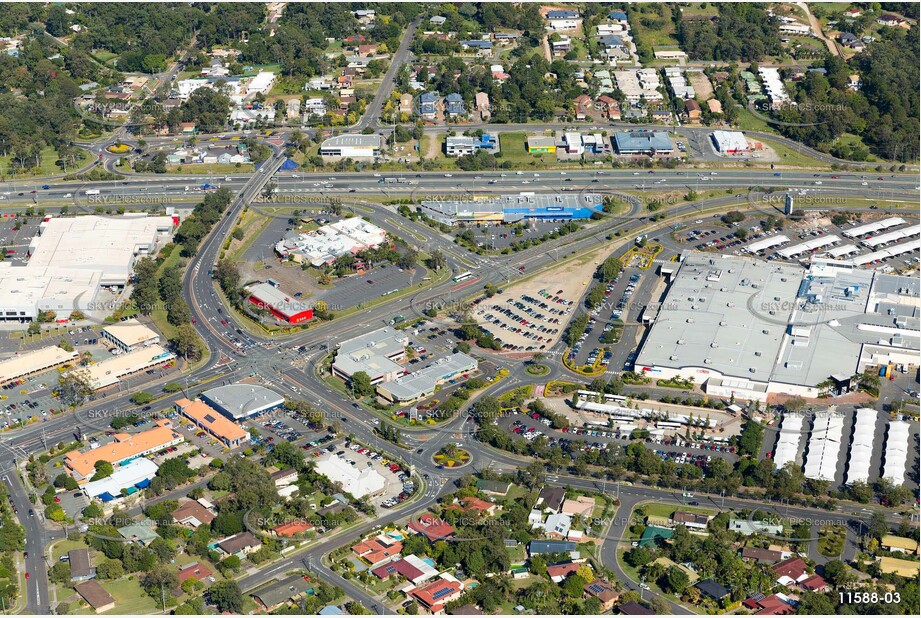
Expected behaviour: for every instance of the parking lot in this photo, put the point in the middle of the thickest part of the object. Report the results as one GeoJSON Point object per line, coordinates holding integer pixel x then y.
{"type": "Point", "coordinates": [526, 322]}
{"type": "Point", "coordinates": [501, 235]}
{"type": "Point", "coordinates": [398, 484]}
{"type": "Point", "coordinates": [596, 437]}
{"type": "Point", "coordinates": [15, 235]}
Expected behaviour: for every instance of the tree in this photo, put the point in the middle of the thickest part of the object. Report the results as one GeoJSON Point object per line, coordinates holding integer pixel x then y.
{"type": "Point", "coordinates": [227, 597]}
{"type": "Point", "coordinates": [676, 580]}
{"type": "Point", "coordinates": [437, 260]}
{"type": "Point", "coordinates": [141, 398]}
{"type": "Point", "coordinates": [104, 469]}
{"type": "Point", "coordinates": [187, 343]}
{"type": "Point", "coordinates": [74, 387]}
{"type": "Point", "coordinates": [360, 384]}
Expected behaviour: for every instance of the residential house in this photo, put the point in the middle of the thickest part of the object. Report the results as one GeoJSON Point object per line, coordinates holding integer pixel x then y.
{"type": "Point", "coordinates": [493, 488]}
{"type": "Point", "coordinates": [773, 605]}
{"type": "Point", "coordinates": [438, 20]}
{"type": "Point", "coordinates": [95, 596]}
{"type": "Point", "coordinates": [898, 566]}
{"type": "Point", "coordinates": [692, 109]}
{"type": "Point", "coordinates": [434, 596]}
{"type": "Point", "coordinates": [195, 570]}
{"type": "Point", "coordinates": [556, 526]}
{"type": "Point", "coordinates": [559, 572]}
{"type": "Point", "coordinates": [550, 499]}
{"type": "Point", "coordinates": [81, 568]}
{"type": "Point", "coordinates": [411, 567]}
{"type": "Point", "coordinates": [240, 545]}
{"type": "Point", "coordinates": [367, 50]}
{"type": "Point", "coordinates": [712, 590]}
{"type": "Point", "coordinates": [406, 104]}
{"type": "Point", "coordinates": [292, 528]}
{"type": "Point", "coordinates": [432, 527]}
{"type": "Point", "coordinates": [609, 106]}
{"type": "Point", "coordinates": [715, 106]}
{"type": "Point", "coordinates": [561, 46]}
{"type": "Point", "coordinates": [794, 571]}
{"type": "Point", "coordinates": [454, 105]}
{"type": "Point", "coordinates": [854, 82]}
{"type": "Point", "coordinates": [142, 532]}
{"type": "Point", "coordinates": [276, 593]}
{"type": "Point", "coordinates": [632, 608]}
{"type": "Point", "coordinates": [899, 544]}
{"type": "Point", "coordinates": [536, 548]}
{"type": "Point", "coordinates": [472, 503]}
{"type": "Point", "coordinates": [482, 47]}
{"type": "Point", "coordinates": [889, 19]}
{"type": "Point", "coordinates": [428, 106]}
{"type": "Point", "coordinates": [378, 550]}
{"type": "Point", "coordinates": [761, 556]}
{"type": "Point", "coordinates": [604, 592]}
{"type": "Point", "coordinates": [582, 104]}
{"type": "Point", "coordinates": [285, 477]}
{"type": "Point", "coordinates": [748, 528]}
{"type": "Point", "coordinates": [582, 506]}
{"type": "Point", "coordinates": [481, 101]}
{"type": "Point", "coordinates": [563, 19]}
{"type": "Point", "coordinates": [652, 534]}
{"type": "Point", "coordinates": [850, 41]}
{"type": "Point", "coordinates": [691, 521]}
{"type": "Point", "coordinates": [192, 514]}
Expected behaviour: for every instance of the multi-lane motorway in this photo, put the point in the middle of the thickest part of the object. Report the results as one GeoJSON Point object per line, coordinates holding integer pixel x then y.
{"type": "Point", "coordinates": [146, 189]}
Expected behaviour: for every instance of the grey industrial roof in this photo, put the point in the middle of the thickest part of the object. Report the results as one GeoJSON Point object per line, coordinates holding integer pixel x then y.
{"type": "Point", "coordinates": [642, 141]}
{"type": "Point", "coordinates": [769, 322]}
{"type": "Point", "coordinates": [718, 315]}
{"type": "Point", "coordinates": [241, 400]}
{"type": "Point", "coordinates": [353, 140]}
{"type": "Point", "coordinates": [418, 383]}
{"type": "Point", "coordinates": [370, 352]}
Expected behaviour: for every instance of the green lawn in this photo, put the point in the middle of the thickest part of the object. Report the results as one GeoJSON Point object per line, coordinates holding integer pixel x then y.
{"type": "Point", "coordinates": [130, 598]}
{"type": "Point", "coordinates": [666, 510]}
{"type": "Point", "coordinates": [47, 164]}
{"type": "Point", "coordinates": [514, 148]}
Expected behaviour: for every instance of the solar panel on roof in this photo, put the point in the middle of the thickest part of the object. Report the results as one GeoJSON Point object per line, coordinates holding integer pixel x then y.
{"type": "Point", "coordinates": [596, 588]}
{"type": "Point", "coordinates": [209, 418]}
{"type": "Point", "coordinates": [442, 592]}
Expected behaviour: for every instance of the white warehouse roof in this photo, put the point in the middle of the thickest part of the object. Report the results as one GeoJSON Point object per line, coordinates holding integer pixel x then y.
{"type": "Point", "coordinates": [359, 483]}
{"type": "Point", "coordinates": [858, 463]}
{"type": "Point", "coordinates": [124, 477]}
{"type": "Point", "coordinates": [896, 452]}
{"type": "Point", "coordinates": [766, 243]}
{"type": "Point", "coordinates": [906, 247]}
{"type": "Point", "coordinates": [876, 226]}
{"type": "Point", "coordinates": [809, 245]}
{"type": "Point", "coordinates": [791, 431]}
{"type": "Point", "coordinates": [888, 237]}
{"type": "Point", "coordinates": [824, 446]}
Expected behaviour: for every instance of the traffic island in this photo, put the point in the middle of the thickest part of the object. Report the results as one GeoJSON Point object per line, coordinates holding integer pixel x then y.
{"type": "Point", "coordinates": [452, 456]}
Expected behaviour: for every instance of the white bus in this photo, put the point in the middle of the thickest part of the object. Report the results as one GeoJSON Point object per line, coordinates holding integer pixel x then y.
{"type": "Point", "coordinates": [463, 276]}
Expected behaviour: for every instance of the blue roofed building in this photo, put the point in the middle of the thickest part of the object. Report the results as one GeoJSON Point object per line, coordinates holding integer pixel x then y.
{"type": "Point", "coordinates": [617, 16]}
{"type": "Point", "coordinates": [536, 548]}
{"type": "Point", "coordinates": [643, 142]}
{"type": "Point", "coordinates": [454, 105]}
{"type": "Point", "coordinates": [428, 105]}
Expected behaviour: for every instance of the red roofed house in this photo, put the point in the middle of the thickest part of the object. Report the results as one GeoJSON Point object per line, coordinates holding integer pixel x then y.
{"type": "Point", "coordinates": [412, 567]}
{"type": "Point", "coordinates": [816, 583]}
{"type": "Point", "coordinates": [196, 570]}
{"type": "Point", "coordinates": [367, 50]}
{"type": "Point", "coordinates": [774, 605]}
{"type": "Point", "coordinates": [602, 591]}
{"type": "Point", "coordinates": [378, 549]}
{"type": "Point", "coordinates": [432, 527]}
{"type": "Point", "coordinates": [439, 593]}
{"type": "Point", "coordinates": [559, 572]}
{"type": "Point", "coordinates": [292, 528]}
{"type": "Point", "coordinates": [790, 571]}
{"type": "Point", "coordinates": [472, 503]}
